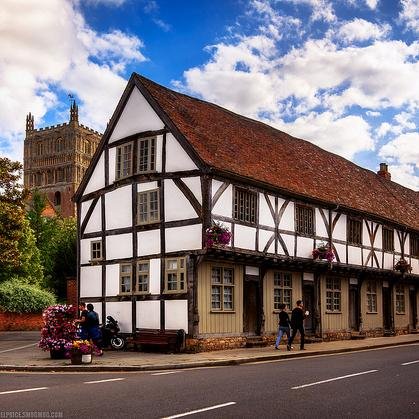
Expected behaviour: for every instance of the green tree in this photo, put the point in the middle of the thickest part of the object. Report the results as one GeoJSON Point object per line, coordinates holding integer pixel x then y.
{"type": "Point", "coordinates": [12, 218]}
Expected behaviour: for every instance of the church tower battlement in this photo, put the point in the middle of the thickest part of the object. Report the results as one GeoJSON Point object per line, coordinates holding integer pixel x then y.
{"type": "Point", "coordinates": [56, 158]}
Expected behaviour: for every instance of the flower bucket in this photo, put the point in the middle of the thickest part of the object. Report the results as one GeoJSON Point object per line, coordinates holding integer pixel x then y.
{"type": "Point", "coordinates": [57, 354]}
{"type": "Point", "coordinates": [86, 359]}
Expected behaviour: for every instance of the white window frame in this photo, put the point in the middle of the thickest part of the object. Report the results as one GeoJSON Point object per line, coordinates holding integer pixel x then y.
{"type": "Point", "coordinates": [282, 289]}
{"type": "Point", "coordinates": [147, 159]}
{"type": "Point", "coordinates": [119, 160]}
{"type": "Point", "coordinates": [400, 299]}
{"type": "Point", "coordinates": [372, 297]}
{"type": "Point", "coordinates": [94, 251]}
{"type": "Point", "coordinates": [333, 295]}
{"type": "Point", "coordinates": [222, 289]}
{"type": "Point", "coordinates": [175, 273]}
{"type": "Point", "coordinates": [151, 215]}
{"type": "Point", "coordinates": [143, 277]}
{"type": "Point", "coordinates": [123, 275]}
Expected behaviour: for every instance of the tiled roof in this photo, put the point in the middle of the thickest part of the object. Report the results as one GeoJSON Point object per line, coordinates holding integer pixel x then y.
{"type": "Point", "coordinates": [233, 143]}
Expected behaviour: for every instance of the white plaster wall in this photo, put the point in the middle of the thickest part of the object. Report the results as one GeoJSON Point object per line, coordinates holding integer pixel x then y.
{"type": "Point", "coordinates": [159, 151]}
{"type": "Point", "coordinates": [148, 242]}
{"type": "Point", "coordinates": [119, 246]}
{"type": "Point", "coordinates": [148, 314]}
{"type": "Point", "coordinates": [414, 263]}
{"type": "Point", "coordinates": [289, 242]}
{"type": "Point", "coordinates": [265, 216]}
{"type": "Point", "coordinates": [365, 254]}
{"type": "Point", "coordinates": [97, 180]}
{"type": "Point", "coordinates": [397, 247]}
{"type": "Point", "coordinates": [339, 232]}
{"type": "Point", "coordinates": [90, 281]}
{"type": "Point", "coordinates": [176, 314]}
{"type": "Point", "coordinates": [184, 238]}
{"type": "Point", "coordinates": [194, 184]}
{"type": "Point", "coordinates": [378, 242]}
{"type": "Point", "coordinates": [388, 260]}
{"type": "Point", "coordinates": [365, 235]}
{"type": "Point", "coordinates": [354, 255]}
{"type": "Point", "coordinates": [85, 249]}
{"type": "Point", "coordinates": [112, 280]}
{"type": "Point", "coordinates": [137, 116]}
{"type": "Point", "coordinates": [176, 157]}
{"type": "Point", "coordinates": [155, 274]}
{"type": "Point", "coordinates": [304, 247]}
{"type": "Point", "coordinates": [84, 208]}
{"type": "Point", "coordinates": [118, 208]}
{"type": "Point", "coordinates": [147, 186]}
{"type": "Point", "coordinates": [341, 251]}
{"type": "Point", "coordinates": [95, 222]}
{"type": "Point", "coordinates": [122, 312]}
{"type": "Point", "coordinates": [177, 206]}
{"type": "Point", "coordinates": [112, 165]}
{"type": "Point", "coordinates": [407, 245]}
{"type": "Point", "coordinates": [288, 218]}
{"type": "Point", "coordinates": [264, 236]}
{"type": "Point", "coordinates": [224, 205]}
{"type": "Point", "coordinates": [320, 226]}
{"type": "Point", "coordinates": [244, 237]}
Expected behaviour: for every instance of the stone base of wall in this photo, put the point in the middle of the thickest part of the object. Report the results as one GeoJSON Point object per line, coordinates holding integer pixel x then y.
{"type": "Point", "coordinates": [373, 333]}
{"type": "Point", "coordinates": [336, 335]}
{"type": "Point", "coordinates": [401, 331]}
{"type": "Point", "coordinates": [215, 344]}
{"type": "Point", "coordinates": [20, 321]}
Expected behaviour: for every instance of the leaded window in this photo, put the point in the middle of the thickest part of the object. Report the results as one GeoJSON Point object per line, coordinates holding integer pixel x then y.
{"type": "Point", "coordinates": [143, 277]}
{"type": "Point", "coordinates": [354, 231]}
{"type": "Point", "coordinates": [175, 275]}
{"type": "Point", "coordinates": [222, 289]}
{"type": "Point", "coordinates": [414, 245]}
{"type": "Point", "coordinates": [95, 250]}
{"type": "Point", "coordinates": [282, 289]}
{"type": "Point", "coordinates": [333, 294]}
{"type": "Point", "coordinates": [400, 299]}
{"type": "Point", "coordinates": [146, 155]}
{"type": "Point", "coordinates": [372, 297]}
{"type": "Point", "coordinates": [245, 206]}
{"type": "Point", "coordinates": [125, 278]}
{"type": "Point", "coordinates": [148, 207]}
{"type": "Point", "coordinates": [304, 220]}
{"type": "Point", "coordinates": [124, 160]}
{"type": "Point", "coordinates": [388, 239]}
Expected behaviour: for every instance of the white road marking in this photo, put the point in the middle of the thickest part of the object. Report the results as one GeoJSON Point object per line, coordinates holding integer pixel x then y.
{"type": "Point", "coordinates": [165, 373]}
{"type": "Point", "coordinates": [104, 381]}
{"type": "Point", "coordinates": [334, 379]}
{"type": "Point", "coordinates": [23, 390]}
{"type": "Point", "coordinates": [19, 347]}
{"type": "Point", "coordinates": [192, 412]}
{"type": "Point", "coordinates": [411, 362]}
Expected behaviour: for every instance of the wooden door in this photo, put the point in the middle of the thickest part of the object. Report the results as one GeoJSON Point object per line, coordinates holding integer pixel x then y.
{"type": "Point", "coordinates": [308, 301]}
{"type": "Point", "coordinates": [413, 313]}
{"type": "Point", "coordinates": [353, 308]}
{"type": "Point", "coordinates": [250, 306]}
{"type": "Point", "coordinates": [387, 308]}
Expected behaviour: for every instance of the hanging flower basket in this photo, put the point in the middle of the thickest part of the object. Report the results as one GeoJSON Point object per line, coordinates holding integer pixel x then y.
{"type": "Point", "coordinates": [217, 235]}
{"type": "Point", "coordinates": [402, 266]}
{"type": "Point", "coordinates": [323, 252]}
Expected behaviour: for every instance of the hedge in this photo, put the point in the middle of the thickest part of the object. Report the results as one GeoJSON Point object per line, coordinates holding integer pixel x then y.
{"type": "Point", "coordinates": [18, 297]}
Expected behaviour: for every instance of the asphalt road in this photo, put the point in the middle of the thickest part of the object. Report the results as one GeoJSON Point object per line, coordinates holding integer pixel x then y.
{"type": "Point", "coordinates": [381, 383]}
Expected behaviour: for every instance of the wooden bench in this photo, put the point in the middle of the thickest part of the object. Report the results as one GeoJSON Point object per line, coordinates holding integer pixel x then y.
{"type": "Point", "coordinates": [173, 340]}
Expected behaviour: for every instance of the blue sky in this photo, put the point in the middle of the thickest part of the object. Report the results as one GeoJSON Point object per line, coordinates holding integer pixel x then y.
{"type": "Point", "coordinates": [342, 74]}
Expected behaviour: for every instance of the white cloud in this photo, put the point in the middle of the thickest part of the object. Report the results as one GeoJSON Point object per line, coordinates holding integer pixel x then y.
{"type": "Point", "coordinates": [163, 25]}
{"type": "Point", "coordinates": [114, 3]}
{"type": "Point", "coordinates": [372, 4]}
{"type": "Point", "coordinates": [345, 136]}
{"type": "Point", "coordinates": [45, 50]}
{"type": "Point", "coordinates": [406, 175]}
{"type": "Point", "coordinates": [322, 9]}
{"type": "Point", "coordinates": [362, 30]}
{"type": "Point", "coordinates": [410, 14]}
{"type": "Point", "coordinates": [403, 124]}
{"type": "Point", "coordinates": [404, 149]}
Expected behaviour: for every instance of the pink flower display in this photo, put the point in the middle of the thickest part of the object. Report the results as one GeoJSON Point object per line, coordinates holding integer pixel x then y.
{"type": "Point", "coordinates": [324, 252]}
{"type": "Point", "coordinates": [217, 235]}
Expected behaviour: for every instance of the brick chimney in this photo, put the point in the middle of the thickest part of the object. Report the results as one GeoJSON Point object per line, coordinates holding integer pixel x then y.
{"type": "Point", "coordinates": [383, 172]}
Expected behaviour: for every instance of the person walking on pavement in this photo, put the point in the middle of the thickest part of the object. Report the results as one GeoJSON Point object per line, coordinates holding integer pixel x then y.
{"type": "Point", "coordinates": [83, 332]}
{"type": "Point", "coordinates": [284, 325]}
{"type": "Point", "coordinates": [297, 323]}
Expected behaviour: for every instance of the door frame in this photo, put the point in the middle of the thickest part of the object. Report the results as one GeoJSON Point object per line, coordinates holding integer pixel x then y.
{"type": "Point", "coordinates": [252, 288]}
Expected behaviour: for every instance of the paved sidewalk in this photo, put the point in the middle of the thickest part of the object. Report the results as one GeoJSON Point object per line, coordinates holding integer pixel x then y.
{"type": "Point", "coordinates": [19, 352]}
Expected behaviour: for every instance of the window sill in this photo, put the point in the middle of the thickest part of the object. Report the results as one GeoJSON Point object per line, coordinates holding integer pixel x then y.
{"type": "Point", "coordinates": [175, 292]}
{"type": "Point", "coordinates": [333, 312]}
{"type": "Point", "coordinates": [401, 313]}
{"type": "Point", "coordinates": [372, 312]}
{"type": "Point", "coordinates": [222, 312]}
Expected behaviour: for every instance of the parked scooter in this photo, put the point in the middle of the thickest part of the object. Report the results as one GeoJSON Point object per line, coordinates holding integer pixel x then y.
{"type": "Point", "coordinates": [111, 335]}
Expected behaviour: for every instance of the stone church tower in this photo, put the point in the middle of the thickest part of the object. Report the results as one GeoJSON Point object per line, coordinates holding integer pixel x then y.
{"type": "Point", "coordinates": [56, 157]}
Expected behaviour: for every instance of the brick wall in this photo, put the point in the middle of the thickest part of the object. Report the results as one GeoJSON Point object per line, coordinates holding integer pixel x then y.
{"type": "Point", "coordinates": [20, 321]}
{"type": "Point", "coordinates": [72, 291]}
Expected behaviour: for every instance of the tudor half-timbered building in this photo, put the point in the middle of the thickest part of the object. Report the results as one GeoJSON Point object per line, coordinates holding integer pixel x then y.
{"type": "Point", "coordinates": [169, 166]}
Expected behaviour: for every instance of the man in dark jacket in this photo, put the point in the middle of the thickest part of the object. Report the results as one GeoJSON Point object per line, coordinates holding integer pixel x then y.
{"type": "Point", "coordinates": [297, 323]}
